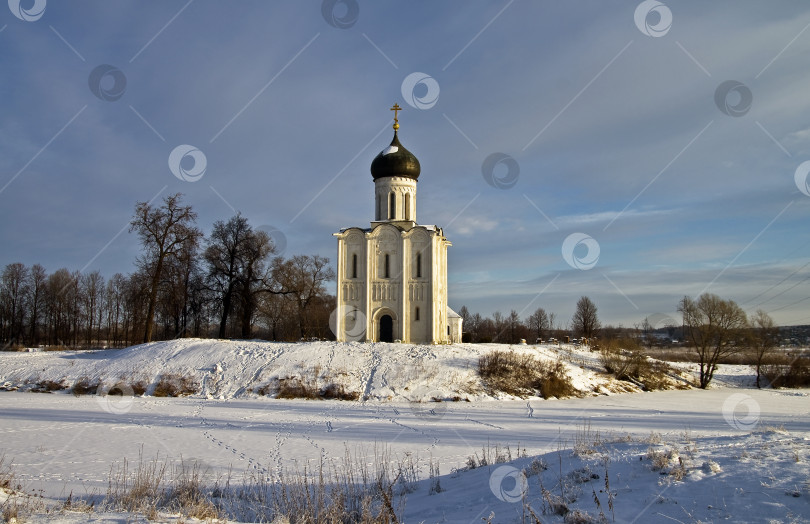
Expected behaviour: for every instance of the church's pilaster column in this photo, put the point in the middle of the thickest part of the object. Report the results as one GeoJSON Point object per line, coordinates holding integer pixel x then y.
{"type": "Point", "coordinates": [404, 303]}
{"type": "Point", "coordinates": [369, 254]}
{"type": "Point", "coordinates": [340, 329]}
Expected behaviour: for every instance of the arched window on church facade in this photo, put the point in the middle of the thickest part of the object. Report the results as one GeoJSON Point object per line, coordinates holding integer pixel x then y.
{"type": "Point", "coordinates": [407, 206]}
{"type": "Point", "coordinates": [419, 265]}
{"type": "Point", "coordinates": [416, 313]}
{"type": "Point", "coordinates": [354, 265]}
{"type": "Point", "coordinates": [387, 266]}
{"type": "Point", "coordinates": [392, 206]}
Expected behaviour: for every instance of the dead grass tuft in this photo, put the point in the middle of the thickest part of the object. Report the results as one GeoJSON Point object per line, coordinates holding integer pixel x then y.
{"type": "Point", "coordinates": [85, 386]}
{"type": "Point", "coordinates": [296, 387]}
{"type": "Point", "coordinates": [338, 392]}
{"type": "Point", "coordinates": [18, 503]}
{"type": "Point", "coordinates": [659, 458]}
{"type": "Point", "coordinates": [625, 360]}
{"type": "Point", "coordinates": [48, 386]}
{"type": "Point", "coordinates": [6, 474]}
{"type": "Point", "coordinates": [523, 375]}
{"type": "Point", "coordinates": [587, 441]}
{"type": "Point", "coordinates": [156, 485]}
{"type": "Point", "coordinates": [175, 385]}
{"type": "Point", "coordinates": [310, 385]}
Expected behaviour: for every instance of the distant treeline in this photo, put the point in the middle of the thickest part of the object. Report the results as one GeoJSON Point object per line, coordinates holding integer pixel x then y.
{"type": "Point", "coordinates": [540, 325]}
{"type": "Point", "coordinates": [228, 285]}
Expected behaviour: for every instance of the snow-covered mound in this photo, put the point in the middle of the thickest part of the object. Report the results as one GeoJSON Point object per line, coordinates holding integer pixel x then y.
{"type": "Point", "coordinates": [225, 369]}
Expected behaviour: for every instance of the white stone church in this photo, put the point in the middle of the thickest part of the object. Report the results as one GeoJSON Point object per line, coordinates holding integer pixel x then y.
{"type": "Point", "coordinates": [392, 277]}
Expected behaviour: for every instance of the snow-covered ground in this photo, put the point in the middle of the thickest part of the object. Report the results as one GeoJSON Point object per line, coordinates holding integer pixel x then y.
{"type": "Point", "coordinates": [726, 454]}
{"type": "Point", "coordinates": [237, 369]}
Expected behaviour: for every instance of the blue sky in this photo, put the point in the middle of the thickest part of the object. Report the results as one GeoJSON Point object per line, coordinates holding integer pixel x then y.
{"type": "Point", "coordinates": [625, 133]}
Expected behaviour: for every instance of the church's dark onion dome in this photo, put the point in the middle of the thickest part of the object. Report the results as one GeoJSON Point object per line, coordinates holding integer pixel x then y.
{"type": "Point", "coordinates": [395, 160]}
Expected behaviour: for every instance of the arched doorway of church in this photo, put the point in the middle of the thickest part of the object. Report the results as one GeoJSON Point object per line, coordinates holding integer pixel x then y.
{"type": "Point", "coordinates": [386, 328]}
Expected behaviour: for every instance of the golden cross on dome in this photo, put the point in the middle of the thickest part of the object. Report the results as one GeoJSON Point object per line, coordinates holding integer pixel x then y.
{"type": "Point", "coordinates": [396, 120]}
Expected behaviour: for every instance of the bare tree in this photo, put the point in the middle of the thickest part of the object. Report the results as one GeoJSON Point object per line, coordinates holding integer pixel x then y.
{"type": "Point", "coordinates": [764, 336]}
{"type": "Point", "coordinates": [60, 292]}
{"type": "Point", "coordinates": [303, 278]}
{"type": "Point", "coordinates": [647, 332]}
{"type": "Point", "coordinates": [274, 310]}
{"type": "Point", "coordinates": [473, 327]}
{"type": "Point", "coordinates": [499, 323]}
{"type": "Point", "coordinates": [255, 277]}
{"type": "Point", "coordinates": [236, 258]}
{"type": "Point", "coordinates": [224, 259]}
{"type": "Point", "coordinates": [91, 287]}
{"type": "Point", "coordinates": [514, 327]}
{"type": "Point", "coordinates": [38, 280]}
{"type": "Point", "coordinates": [585, 321]}
{"type": "Point", "coordinates": [465, 315]}
{"type": "Point", "coordinates": [540, 323]}
{"type": "Point", "coordinates": [713, 326]}
{"type": "Point", "coordinates": [13, 293]}
{"type": "Point", "coordinates": [115, 304]}
{"type": "Point", "coordinates": [164, 232]}
{"type": "Point", "coordinates": [487, 329]}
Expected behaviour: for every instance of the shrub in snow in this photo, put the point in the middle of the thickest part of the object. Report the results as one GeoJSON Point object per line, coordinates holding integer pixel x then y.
{"type": "Point", "coordinates": [311, 384]}
{"type": "Point", "coordinates": [85, 386]}
{"type": "Point", "coordinates": [783, 371]}
{"type": "Point", "coordinates": [537, 466]}
{"type": "Point", "coordinates": [48, 386]}
{"type": "Point", "coordinates": [175, 385]}
{"type": "Point", "coordinates": [523, 374]}
{"type": "Point", "coordinates": [660, 458]}
{"type": "Point", "coordinates": [581, 517]}
{"type": "Point", "coordinates": [337, 391]}
{"type": "Point", "coordinates": [625, 360]}
{"type": "Point", "coordinates": [711, 466]}
{"type": "Point", "coordinates": [296, 387]}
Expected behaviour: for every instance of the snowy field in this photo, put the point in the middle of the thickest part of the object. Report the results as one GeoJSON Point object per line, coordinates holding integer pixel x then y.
{"type": "Point", "coordinates": [727, 454]}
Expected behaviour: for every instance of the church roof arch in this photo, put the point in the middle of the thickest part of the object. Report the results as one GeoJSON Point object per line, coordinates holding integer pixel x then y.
{"type": "Point", "coordinates": [419, 233]}
{"type": "Point", "coordinates": [385, 230]}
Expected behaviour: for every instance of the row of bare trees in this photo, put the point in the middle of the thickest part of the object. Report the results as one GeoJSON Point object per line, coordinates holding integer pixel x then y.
{"type": "Point", "coordinates": [714, 328]}
{"type": "Point", "coordinates": [541, 324]}
{"type": "Point", "coordinates": [65, 308]}
{"type": "Point", "coordinates": [229, 284]}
